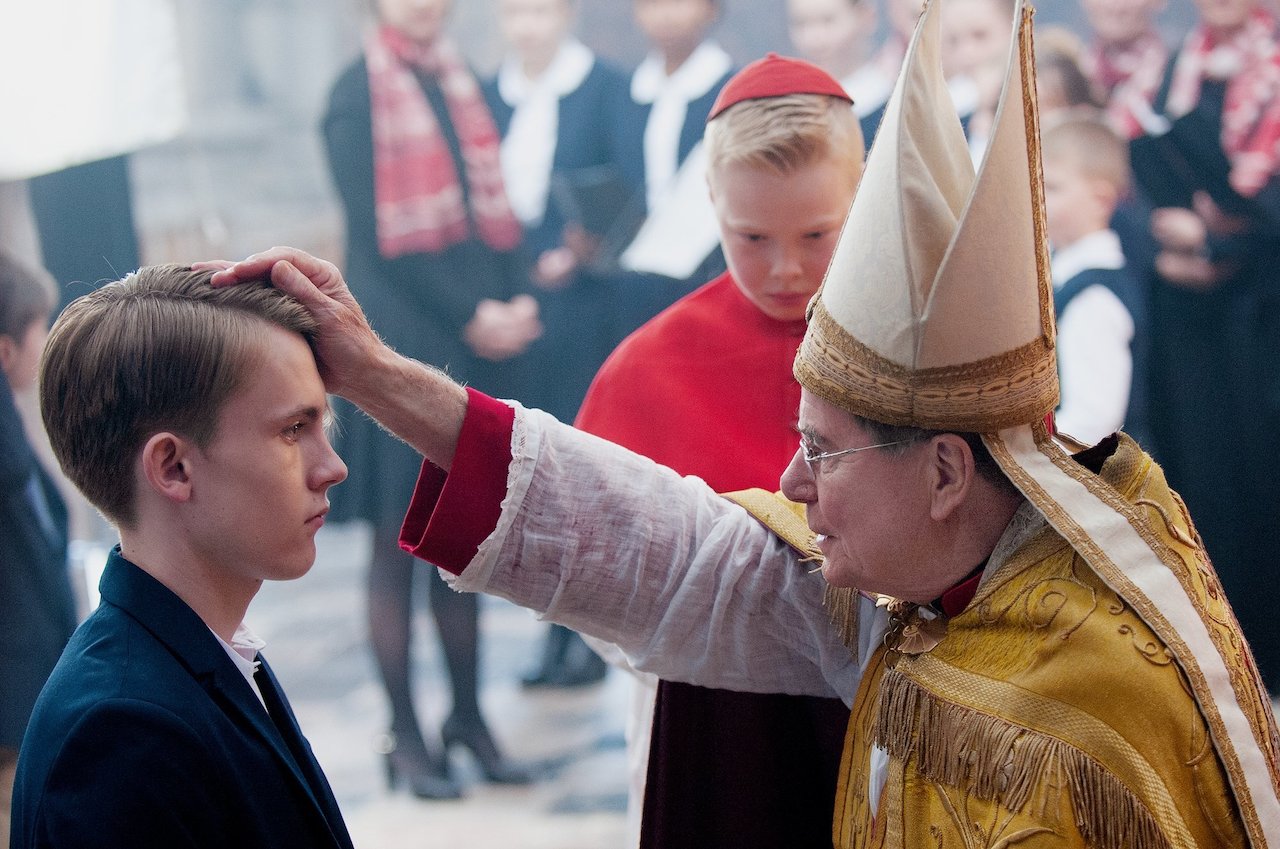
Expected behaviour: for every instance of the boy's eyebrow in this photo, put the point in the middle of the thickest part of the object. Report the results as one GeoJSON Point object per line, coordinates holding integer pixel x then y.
{"type": "Point", "coordinates": [310, 412]}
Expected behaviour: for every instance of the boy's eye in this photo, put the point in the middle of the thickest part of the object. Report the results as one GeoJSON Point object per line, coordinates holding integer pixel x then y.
{"type": "Point", "coordinates": [294, 430]}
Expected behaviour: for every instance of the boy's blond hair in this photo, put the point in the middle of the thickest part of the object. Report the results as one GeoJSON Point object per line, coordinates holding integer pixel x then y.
{"type": "Point", "coordinates": [1091, 146]}
{"type": "Point", "coordinates": [160, 350]}
{"type": "Point", "coordinates": [784, 134]}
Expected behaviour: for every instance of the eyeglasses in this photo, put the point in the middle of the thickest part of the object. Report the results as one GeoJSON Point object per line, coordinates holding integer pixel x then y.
{"type": "Point", "coordinates": [814, 461]}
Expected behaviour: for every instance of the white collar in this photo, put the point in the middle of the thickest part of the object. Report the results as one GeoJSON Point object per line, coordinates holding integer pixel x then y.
{"type": "Point", "coordinates": [243, 648]}
{"type": "Point", "coordinates": [964, 95]}
{"type": "Point", "coordinates": [869, 89]}
{"type": "Point", "coordinates": [243, 651]}
{"type": "Point", "coordinates": [569, 67]}
{"type": "Point", "coordinates": [702, 70]}
{"type": "Point", "coordinates": [1096, 250]}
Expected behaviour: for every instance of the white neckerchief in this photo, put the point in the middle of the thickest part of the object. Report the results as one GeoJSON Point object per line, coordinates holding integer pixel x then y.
{"type": "Point", "coordinates": [243, 651]}
{"type": "Point", "coordinates": [528, 151]}
{"type": "Point", "coordinates": [670, 96]}
{"type": "Point", "coordinates": [964, 95]}
{"type": "Point", "coordinates": [869, 88]}
{"type": "Point", "coordinates": [1097, 250]}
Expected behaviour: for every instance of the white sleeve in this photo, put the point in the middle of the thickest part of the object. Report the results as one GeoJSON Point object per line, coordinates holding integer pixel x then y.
{"type": "Point", "coordinates": [1095, 363]}
{"type": "Point", "coordinates": [687, 584]}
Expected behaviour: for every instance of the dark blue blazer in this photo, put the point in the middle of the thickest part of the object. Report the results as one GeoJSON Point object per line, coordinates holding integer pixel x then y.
{"type": "Point", "coordinates": [148, 736]}
{"type": "Point", "coordinates": [37, 606]}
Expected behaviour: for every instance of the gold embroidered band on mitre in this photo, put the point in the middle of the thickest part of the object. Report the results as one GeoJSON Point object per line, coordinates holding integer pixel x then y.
{"type": "Point", "coordinates": [1009, 389]}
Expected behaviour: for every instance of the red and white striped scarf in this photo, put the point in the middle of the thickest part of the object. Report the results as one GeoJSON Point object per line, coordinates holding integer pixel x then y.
{"type": "Point", "coordinates": [1130, 76]}
{"type": "Point", "coordinates": [418, 198]}
{"type": "Point", "coordinates": [1250, 62]}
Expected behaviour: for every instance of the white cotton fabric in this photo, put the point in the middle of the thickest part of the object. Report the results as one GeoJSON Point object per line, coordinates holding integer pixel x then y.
{"type": "Point", "coordinates": [869, 87]}
{"type": "Point", "coordinates": [685, 583]}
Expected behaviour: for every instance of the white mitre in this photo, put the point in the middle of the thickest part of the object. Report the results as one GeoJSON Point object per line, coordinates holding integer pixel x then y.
{"type": "Point", "coordinates": [937, 309]}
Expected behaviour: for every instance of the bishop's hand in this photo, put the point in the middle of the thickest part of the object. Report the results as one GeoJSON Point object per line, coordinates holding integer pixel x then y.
{"type": "Point", "coordinates": [346, 346]}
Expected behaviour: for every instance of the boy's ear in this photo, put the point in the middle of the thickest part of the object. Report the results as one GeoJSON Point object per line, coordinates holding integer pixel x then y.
{"type": "Point", "coordinates": [166, 466]}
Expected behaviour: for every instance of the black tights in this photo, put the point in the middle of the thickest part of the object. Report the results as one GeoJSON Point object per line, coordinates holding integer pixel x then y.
{"type": "Point", "coordinates": [391, 575]}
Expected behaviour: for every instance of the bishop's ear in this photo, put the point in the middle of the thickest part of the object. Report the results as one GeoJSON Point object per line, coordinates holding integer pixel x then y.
{"type": "Point", "coordinates": [166, 466]}
{"type": "Point", "coordinates": [951, 477]}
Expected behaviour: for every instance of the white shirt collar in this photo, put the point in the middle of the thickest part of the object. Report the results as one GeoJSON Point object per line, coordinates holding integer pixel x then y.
{"type": "Point", "coordinates": [702, 70]}
{"type": "Point", "coordinates": [569, 67]}
{"type": "Point", "coordinates": [243, 651]}
{"type": "Point", "coordinates": [1097, 250]}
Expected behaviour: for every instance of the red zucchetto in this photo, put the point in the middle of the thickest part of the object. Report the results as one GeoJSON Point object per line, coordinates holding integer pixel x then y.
{"type": "Point", "coordinates": [775, 76]}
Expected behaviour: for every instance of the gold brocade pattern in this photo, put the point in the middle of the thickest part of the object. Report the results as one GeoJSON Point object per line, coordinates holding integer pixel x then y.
{"type": "Point", "coordinates": [854, 822]}
{"type": "Point", "coordinates": [1009, 389]}
{"type": "Point", "coordinates": [785, 518]}
{"type": "Point", "coordinates": [1133, 486]}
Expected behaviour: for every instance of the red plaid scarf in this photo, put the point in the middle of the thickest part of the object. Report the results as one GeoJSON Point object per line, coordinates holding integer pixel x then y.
{"type": "Point", "coordinates": [1250, 61]}
{"type": "Point", "coordinates": [418, 197]}
{"type": "Point", "coordinates": [1130, 76]}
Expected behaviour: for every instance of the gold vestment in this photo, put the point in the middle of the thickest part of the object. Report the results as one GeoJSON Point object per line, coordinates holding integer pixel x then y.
{"type": "Point", "coordinates": [1049, 714]}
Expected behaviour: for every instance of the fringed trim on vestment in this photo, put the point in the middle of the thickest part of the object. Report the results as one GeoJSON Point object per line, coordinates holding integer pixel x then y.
{"type": "Point", "coordinates": [996, 760]}
{"type": "Point", "coordinates": [842, 607]}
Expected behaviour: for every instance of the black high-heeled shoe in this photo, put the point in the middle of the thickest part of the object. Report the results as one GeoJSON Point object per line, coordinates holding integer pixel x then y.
{"type": "Point", "coordinates": [493, 764]}
{"type": "Point", "coordinates": [426, 777]}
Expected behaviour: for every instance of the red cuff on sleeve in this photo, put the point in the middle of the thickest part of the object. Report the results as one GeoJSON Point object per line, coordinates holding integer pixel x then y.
{"type": "Point", "coordinates": [452, 512]}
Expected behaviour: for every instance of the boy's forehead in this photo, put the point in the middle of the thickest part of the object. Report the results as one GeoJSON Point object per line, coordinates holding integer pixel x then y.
{"type": "Point", "coordinates": [281, 366]}
{"type": "Point", "coordinates": [824, 186]}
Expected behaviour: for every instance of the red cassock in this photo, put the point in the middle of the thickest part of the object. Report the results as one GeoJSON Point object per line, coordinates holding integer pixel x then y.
{"type": "Point", "coordinates": [706, 388]}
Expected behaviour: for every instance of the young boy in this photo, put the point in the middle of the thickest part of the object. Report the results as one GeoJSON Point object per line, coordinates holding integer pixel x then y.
{"type": "Point", "coordinates": [656, 131]}
{"type": "Point", "coordinates": [193, 418]}
{"type": "Point", "coordinates": [37, 606]}
{"type": "Point", "coordinates": [706, 388]}
{"type": "Point", "coordinates": [671, 92]}
{"type": "Point", "coordinates": [1100, 308]}
{"type": "Point", "coordinates": [547, 100]}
